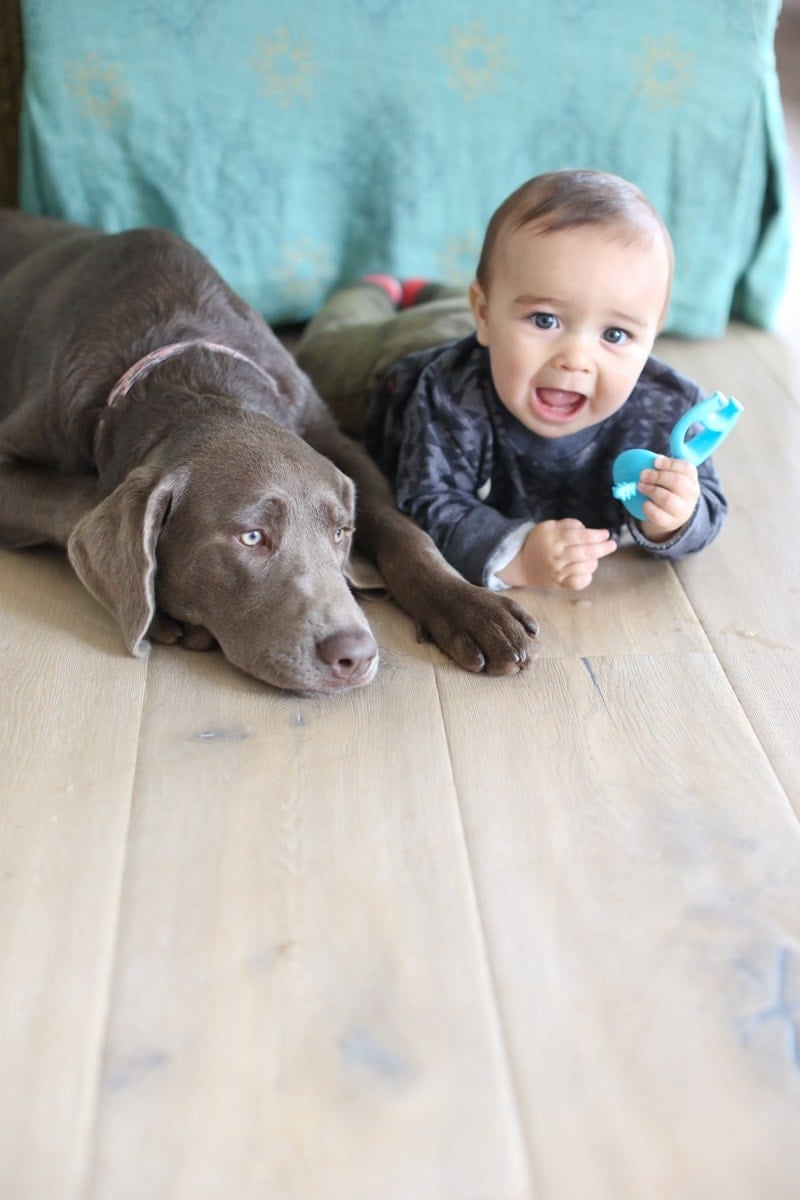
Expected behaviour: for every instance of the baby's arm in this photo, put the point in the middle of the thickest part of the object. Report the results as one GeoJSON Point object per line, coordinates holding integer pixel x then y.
{"type": "Point", "coordinates": [558, 554]}
{"type": "Point", "coordinates": [443, 462]}
{"type": "Point", "coordinates": [683, 506]}
{"type": "Point", "coordinates": [672, 489]}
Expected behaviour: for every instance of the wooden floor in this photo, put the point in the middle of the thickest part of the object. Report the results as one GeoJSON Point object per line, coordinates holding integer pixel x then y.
{"type": "Point", "coordinates": [449, 938]}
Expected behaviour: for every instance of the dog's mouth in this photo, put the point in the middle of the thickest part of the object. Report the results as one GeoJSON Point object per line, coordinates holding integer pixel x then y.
{"type": "Point", "coordinates": [327, 687]}
{"type": "Point", "coordinates": [312, 677]}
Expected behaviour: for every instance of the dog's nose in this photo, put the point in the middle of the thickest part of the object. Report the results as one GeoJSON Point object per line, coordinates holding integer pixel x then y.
{"type": "Point", "coordinates": [349, 654]}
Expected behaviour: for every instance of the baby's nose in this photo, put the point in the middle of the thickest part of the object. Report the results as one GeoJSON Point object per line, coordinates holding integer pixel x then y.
{"type": "Point", "coordinates": [572, 354]}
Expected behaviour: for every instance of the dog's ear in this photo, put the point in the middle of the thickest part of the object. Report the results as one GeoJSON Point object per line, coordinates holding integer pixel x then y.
{"type": "Point", "coordinates": [113, 549]}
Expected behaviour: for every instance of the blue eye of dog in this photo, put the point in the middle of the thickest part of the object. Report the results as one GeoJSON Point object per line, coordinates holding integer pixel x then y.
{"type": "Point", "coordinates": [251, 537]}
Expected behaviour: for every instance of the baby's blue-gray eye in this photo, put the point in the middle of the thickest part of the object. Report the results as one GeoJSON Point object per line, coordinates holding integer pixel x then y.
{"type": "Point", "coordinates": [251, 537]}
{"type": "Point", "coordinates": [543, 320]}
{"type": "Point", "coordinates": [616, 336]}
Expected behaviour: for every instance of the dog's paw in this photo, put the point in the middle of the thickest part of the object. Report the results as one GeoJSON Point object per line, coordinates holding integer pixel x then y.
{"type": "Point", "coordinates": [195, 637]}
{"type": "Point", "coordinates": [483, 631]}
{"type": "Point", "coordinates": [164, 630]}
{"type": "Point", "coordinates": [168, 632]}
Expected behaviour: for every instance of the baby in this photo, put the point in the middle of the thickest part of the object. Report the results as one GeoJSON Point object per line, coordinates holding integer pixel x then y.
{"type": "Point", "coordinates": [500, 443]}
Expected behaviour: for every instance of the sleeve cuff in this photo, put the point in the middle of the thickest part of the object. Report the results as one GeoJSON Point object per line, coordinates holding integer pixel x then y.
{"type": "Point", "coordinates": [663, 548]}
{"type": "Point", "coordinates": [508, 549]}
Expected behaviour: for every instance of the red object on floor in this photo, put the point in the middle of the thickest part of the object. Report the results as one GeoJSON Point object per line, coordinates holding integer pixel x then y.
{"type": "Point", "coordinates": [389, 284]}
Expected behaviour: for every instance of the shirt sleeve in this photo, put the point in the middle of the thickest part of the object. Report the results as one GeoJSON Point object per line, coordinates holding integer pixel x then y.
{"type": "Point", "coordinates": [445, 456]}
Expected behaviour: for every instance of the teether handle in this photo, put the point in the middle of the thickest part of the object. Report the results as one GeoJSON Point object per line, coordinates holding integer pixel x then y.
{"type": "Point", "coordinates": [717, 414]}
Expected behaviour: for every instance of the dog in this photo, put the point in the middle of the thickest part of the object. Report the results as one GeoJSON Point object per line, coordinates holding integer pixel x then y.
{"type": "Point", "coordinates": [153, 425]}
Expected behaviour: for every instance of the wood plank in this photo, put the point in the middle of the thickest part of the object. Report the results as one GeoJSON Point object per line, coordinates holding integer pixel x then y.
{"type": "Point", "coordinates": [71, 708]}
{"type": "Point", "coordinates": [302, 1005]}
{"type": "Point", "coordinates": [636, 866]}
{"type": "Point", "coordinates": [745, 587]}
{"type": "Point", "coordinates": [778, 355]}
{"type": "Point", "coordinates": [634, 605]}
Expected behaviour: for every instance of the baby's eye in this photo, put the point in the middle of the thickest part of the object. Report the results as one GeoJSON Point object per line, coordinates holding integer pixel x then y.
{"type": "Point", "coordinates": [251, 537]}
{"type": "Point", "coordinates": [616, 336]}
{"type": "Point", "coordinates": [544, 320]}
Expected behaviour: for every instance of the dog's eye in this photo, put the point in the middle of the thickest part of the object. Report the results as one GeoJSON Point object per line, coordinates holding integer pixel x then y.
{"type": "Point", "coordinates": [251, 537]}
{"type": "Point", "coordinates": [340, 533]}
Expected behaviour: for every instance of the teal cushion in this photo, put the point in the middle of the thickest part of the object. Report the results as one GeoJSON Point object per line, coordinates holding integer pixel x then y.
{"type": "Point", "coordinates": [300, 144]}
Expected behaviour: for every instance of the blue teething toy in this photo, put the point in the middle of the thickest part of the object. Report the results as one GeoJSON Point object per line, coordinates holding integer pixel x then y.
{"type": "Point", "coordinates": [717, 414]}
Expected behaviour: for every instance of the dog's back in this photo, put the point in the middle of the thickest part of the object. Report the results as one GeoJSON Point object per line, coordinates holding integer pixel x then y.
{"type": "Point", "coordinates": [77, 294]}
{"type": "Point", "coordinates": [22, 235]}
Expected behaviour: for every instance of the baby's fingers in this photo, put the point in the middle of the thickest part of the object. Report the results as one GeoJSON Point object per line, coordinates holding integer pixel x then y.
{"type": "Point", "coordinates": [576, 580]}
{"type": "Point", "coordinates": [579, 563]}
{"type": "Point", "coordinates": [590, 545]}
{"type": "Point", "coordinates": [677, 466]}
{"type": "Point", "coordinates": [674, 488]}
{"type": "Point", "coordinates": [604, 548]}
{"type": "Point", "coordinates": [674, 475]}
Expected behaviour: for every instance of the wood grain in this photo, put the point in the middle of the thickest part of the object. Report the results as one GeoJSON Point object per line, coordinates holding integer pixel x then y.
{"type": "Point", "coordinates": [301, 1006]}
{"type": "Point", "coordinates": [71, 723]}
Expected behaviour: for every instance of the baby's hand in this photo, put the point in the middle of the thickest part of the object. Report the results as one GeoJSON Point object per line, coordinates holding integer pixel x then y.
{"type": "Point", "coordinates": [558, 554]}
{"type": "Point", "coordinates": [672, 490]}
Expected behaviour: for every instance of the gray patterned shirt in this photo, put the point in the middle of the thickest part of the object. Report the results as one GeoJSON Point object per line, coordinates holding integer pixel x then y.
{"type": "Point", "coordinates": [477, 479]}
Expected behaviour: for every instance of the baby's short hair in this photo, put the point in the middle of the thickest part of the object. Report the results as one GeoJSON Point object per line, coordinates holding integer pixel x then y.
{"type": "Point", "coordinates": [564, 199]}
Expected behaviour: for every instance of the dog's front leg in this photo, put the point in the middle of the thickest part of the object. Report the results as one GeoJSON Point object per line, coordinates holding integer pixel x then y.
{"type": "Point", "coordinates": [41, 506]}
{"type": "Point", "coordinates": [478, 629]}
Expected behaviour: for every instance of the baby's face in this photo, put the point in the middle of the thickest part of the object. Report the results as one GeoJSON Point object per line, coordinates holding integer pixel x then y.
{"type": "Point", "coordinates": [569, 319]}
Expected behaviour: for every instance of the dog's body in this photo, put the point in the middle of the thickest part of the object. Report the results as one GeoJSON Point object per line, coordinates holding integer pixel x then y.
{"type": "Point", "coordinates": [204, 503]}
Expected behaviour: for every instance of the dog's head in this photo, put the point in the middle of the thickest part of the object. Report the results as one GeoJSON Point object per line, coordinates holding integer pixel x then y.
{"type": "Point", "coordinates": [245, 535]}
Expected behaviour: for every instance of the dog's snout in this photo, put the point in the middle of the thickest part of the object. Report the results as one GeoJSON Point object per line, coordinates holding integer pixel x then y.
{"type": "Point", "coordinates": [349, 654]}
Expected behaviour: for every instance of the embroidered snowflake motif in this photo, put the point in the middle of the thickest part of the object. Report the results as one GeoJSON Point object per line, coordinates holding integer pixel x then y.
{"type": "Point", "coordinates": [666, 73]}
{"type": "Point", "coordinates": [303, 271]}
{"type": "Point", "coordinates": [98, 87]}
{"type": "Point", "coordinates": [477, 59]}
{"type": "Point", "coordinates": [287, 68]}
{"type": "Point", "coordinates": [459, 257]}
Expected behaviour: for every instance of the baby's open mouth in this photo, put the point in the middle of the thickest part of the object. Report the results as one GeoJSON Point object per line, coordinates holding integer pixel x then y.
{"type": "Point", "coordinates": [556, 405]}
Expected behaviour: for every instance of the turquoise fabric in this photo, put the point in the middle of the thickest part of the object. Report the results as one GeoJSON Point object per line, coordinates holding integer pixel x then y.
{"type": "Point", "coordinates": [300, 144]}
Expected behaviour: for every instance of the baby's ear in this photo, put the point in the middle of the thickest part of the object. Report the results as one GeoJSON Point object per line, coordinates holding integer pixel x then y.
{"type": "Point", "coordinates": [479, 305]}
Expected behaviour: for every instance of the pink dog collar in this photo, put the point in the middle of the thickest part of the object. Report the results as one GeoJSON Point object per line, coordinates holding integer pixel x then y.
{"type": "Point", "coordinates": [145, 365]}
